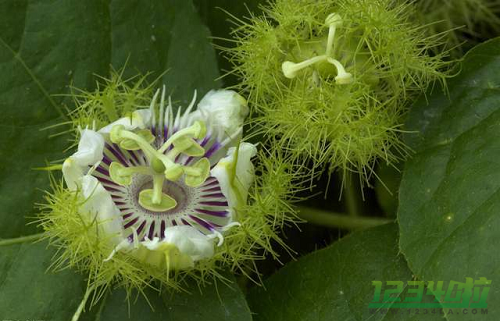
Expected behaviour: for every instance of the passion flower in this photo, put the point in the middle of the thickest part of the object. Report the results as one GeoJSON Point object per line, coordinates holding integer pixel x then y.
{"type": "Point", "coordinates": [158, 195]}
{"type": "Point", "coordinates": [159, 185]}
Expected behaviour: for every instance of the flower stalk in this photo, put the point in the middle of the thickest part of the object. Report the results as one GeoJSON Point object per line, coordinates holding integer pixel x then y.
{"type": "Point", "coordinates": [22, 239]}
{"type": "Point", "coordinates": [339, 220]}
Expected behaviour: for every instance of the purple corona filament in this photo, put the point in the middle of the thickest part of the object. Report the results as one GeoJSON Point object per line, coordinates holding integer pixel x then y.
{"type": "Point", "coordinates": [204, 207]}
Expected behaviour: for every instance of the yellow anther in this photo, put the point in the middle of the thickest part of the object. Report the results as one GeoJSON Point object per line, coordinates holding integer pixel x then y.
{"type": "Point", "coordinates": [118, 175]}
{"type": "Point", "coordinates": [115, 133]}
{"type": "Point", "coordinates": [130, 144]}
{"type": "Point", "coordinates": [118, 134]}
{"type": "Point", "coordinates": [188, 147]}
{"type": "Point", "coordinates": [198, 130]}
{"type": "Point", "coordinates": [173, 172]}
{"type": "Point", "coordinates": [123, 175]}
{"type": "Point", "coordinates": [198, 173]}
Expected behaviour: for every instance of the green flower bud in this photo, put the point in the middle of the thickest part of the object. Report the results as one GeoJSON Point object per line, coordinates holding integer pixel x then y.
{"type": "Point", "coordinates": [332, 79]}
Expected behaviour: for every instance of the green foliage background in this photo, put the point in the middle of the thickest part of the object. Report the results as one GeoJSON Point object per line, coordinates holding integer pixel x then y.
{"type": "Point", "coordinates": [448, 226]}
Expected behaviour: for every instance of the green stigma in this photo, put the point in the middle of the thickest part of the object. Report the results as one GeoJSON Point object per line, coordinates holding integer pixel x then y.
{"type": "Point", "coordinates": [291, 69]}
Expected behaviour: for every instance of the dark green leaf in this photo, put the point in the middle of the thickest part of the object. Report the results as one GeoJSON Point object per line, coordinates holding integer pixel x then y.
{"type": "Point", "coordinates": [335, 283]}
{"type": "Point", "coordinates": [156, 36]}
{"type": "Point", "coordinates": [29, 292]}
{"type": "Point", "coordinates": [216, 302]}
{"type": "Point", "coordinates": [44, 45]}
{"type": "Point", "coordinates": [449, 196]}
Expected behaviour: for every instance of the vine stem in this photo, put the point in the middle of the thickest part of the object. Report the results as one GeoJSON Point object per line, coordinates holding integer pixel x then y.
{"type": "Point", "coordinates": [351, 196]}
{"type": "Point", "coordinates": [22, 239]}
{"type": "Point", "coordinates": [79, 311]}
{"type": "Point", "coordinates": [337, 220]}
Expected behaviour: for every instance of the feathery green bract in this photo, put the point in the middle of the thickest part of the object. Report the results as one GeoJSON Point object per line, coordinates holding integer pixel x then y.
{"type": "Point", "coordinates": [338, 126]}
{"type": "Point", "coordinates": [112, 99]}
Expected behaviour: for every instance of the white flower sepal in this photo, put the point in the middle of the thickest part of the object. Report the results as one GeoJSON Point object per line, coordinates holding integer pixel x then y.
{"type": "Point", "coordinates": [90, 153]}
{"type": "Point", "coordinates": [235, 182]}
{"type": "Point", "coordinates": [181, 247]}
{"type": "Point", "coordinates": [139, 119]}
{"type": "Point", "coordinates": [99, 207]}
{"type": "Point", "coordinates": [225, 110]}
{"type": "Point", "coordinates": [91, 146]}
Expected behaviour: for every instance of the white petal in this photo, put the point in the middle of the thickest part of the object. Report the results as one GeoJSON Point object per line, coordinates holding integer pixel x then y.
{"type": "Point", "coordinates": [235, 189]}
{"type": "Point", "coordinates": [72, 173]}
{"type": "Point", "coordinates": [90, 148]}
{"type": "Point", "coordinates": [224, 110]}
{"type": "Point", "coordinates": [89, 153]}
{"type": "Point", "coordinates": [139, 119]}
{"type": "Point", "coordinates": [145, 115]}
{"type": "Point", "coordinates": [189, 241]}
{"type": "Point", "coordinates": [100, 206]}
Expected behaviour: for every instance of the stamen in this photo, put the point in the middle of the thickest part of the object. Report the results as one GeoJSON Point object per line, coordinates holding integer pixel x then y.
{"type": "Point", "coordinates": [198, 130]}
{"type": "Point", "coordinates": [198, 173]}
{"type": "Point", "coordinates": [123, 175]}
{"type": "Point", "coordinates": [186, 146]}
{"type": "Point", "coordinates": [130, 144]}
{"type": "Point", "coordinates": [290, 69]}
{"type": "Point", "coordinates": [332, 21]}
{"type": "Point", "coordinates": [119, 133]}
{"type": "Point", "coordinates": [342, 77]}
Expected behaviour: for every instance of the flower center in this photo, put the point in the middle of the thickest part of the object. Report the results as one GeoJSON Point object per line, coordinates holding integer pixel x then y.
{"type": "Point", "coordinates": [160, 177]}
{"type": "Point", "coordinates": [184, 195]}
{"type": "Point", "coordinates": [162, 164]}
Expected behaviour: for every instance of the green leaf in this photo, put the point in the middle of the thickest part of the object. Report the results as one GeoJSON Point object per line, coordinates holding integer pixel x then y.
{"type": "Point", "coordinates": [449, 197]}
{"type": "Point", "coordinates": [335, 283]}
{"type": "Point", "coordinates": [40, 54]}
{"type": "Point", "coordinates": [156, 36]}
{"type": "Point", "coordinates": [29, 292]}
{"type": "Point", "coordinates": [47, 45]}
{"type": "Point", "coordinates": [216, 302]}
